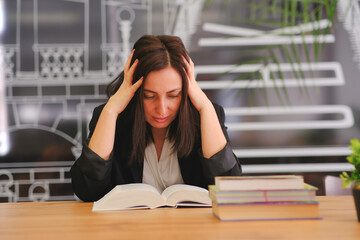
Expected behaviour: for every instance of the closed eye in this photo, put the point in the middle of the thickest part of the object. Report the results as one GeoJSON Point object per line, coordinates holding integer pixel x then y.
{"type": "Point", "coordinates": [148, 96]}
{"type": "Point", "coordinates": [174, 96]}
{"type": "Point", "coordinates": [171, 94]}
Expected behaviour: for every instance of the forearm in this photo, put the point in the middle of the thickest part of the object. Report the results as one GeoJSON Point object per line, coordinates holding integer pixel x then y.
{"type": "Point", "coordinates": [102, 140]}
{"type": "Point", "coordinates": [212, 136]}
{"type": "Point", "coordinates": [87, 188]}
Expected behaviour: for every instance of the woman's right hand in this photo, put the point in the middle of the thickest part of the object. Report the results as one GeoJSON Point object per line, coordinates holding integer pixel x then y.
{"type": "Point", "coordinates": [118, 102]}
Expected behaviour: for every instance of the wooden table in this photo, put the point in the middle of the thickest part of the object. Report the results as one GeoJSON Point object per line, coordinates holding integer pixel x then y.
{"type": "Point", "coordinates": [75, 220]}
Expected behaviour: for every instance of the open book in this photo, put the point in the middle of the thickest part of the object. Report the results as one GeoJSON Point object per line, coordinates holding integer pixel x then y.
{"type": "Point", "coordinates": [140, 195]}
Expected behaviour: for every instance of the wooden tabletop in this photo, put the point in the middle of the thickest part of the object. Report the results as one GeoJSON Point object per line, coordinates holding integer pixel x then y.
{"type": "Point", "coordinates": [75, 220]}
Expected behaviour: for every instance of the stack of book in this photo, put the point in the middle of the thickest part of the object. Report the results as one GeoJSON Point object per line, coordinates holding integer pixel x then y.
{"type": "Point", "coordinates": [281, 197]}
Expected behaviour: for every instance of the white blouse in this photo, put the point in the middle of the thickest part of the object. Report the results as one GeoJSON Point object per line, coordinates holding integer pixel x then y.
{"type": "Point", "coordinates": [164, 172]}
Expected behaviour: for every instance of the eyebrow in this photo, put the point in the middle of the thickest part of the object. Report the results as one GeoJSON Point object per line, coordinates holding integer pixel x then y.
{"type": "Point", "coordinates": [171, 91]}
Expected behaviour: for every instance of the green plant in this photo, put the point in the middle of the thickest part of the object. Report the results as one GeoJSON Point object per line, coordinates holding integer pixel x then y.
{"type": "Point", "coordinates": [353, 159]}
{"type": "Point", "coordinates": [284, 19]}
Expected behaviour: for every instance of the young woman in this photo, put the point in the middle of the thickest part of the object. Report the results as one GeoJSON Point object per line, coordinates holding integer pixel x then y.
{"type": "Point", "coordinates": [158, 127]}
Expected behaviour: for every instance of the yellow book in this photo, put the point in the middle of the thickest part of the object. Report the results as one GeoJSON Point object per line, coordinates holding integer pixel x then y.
{"type": "Point", "coordinates": [271, 182]}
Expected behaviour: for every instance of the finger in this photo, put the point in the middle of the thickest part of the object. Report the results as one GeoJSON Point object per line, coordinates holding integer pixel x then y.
{"type": "Point", "coordinates": [132, 68]}
{"type": "Point", "coordinates": [186, 62]}
{"type": "Point", "coordinates": [127, 64]}
{"type": "Point", "coordinates": [129, 74]}
{"type": "Point", "coordinates": [189, 67]}
{"type": "Point", "coordinates": [191, 62]}
{"type": "Point", "coordinates": [136, 85]}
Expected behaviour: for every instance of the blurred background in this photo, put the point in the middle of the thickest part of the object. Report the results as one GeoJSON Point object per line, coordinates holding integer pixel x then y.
{"type": "Point", "coordinates": [286, 72]}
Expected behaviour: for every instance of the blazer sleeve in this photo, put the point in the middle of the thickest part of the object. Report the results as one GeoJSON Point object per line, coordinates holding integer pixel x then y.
{"type": "Point", "coordinates": [90, 174]}
{"type": "Point", "coordinates": [224, 162]}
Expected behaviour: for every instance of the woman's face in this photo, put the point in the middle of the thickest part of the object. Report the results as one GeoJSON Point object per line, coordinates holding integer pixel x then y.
{"type": "Point", "coordinates": [162, 97]}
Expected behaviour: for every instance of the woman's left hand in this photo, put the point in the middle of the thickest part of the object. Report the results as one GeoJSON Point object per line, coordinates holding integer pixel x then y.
{"type": "Point", "coordinates": [212, 136]}
{"type": "Point", "coordinates": [197, 96]}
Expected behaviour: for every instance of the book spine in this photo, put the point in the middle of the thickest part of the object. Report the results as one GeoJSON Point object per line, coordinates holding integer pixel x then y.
{"type": "Point", "coordinates": [262, 196]}
{"type": "Point", "coordinates": [271, 203]}
{"type": "Point", "coordinates": [265, 219]}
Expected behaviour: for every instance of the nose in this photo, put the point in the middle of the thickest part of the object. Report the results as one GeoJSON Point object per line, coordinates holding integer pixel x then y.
{"type": "Point", "coordinates": [162, 107]}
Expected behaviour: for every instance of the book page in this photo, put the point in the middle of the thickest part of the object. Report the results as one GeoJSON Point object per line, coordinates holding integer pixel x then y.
{"type": "Point", "coordinates": [137, 186]}
{"type": "Point", "coordinates": [178, 193]}
{"type": "Point", "coordinates": [136, 195]}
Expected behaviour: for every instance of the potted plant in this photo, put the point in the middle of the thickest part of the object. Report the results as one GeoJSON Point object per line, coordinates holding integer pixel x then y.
{"type": "Point", "coordinates": [353, 180]}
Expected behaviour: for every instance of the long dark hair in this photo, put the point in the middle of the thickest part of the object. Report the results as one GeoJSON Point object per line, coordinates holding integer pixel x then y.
{"type": "Point", "coordinates": [156, 53]}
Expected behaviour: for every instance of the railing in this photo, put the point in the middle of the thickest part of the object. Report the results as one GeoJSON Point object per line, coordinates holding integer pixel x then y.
{"type": "Point", "coordinates": [34, 181]}
{"type": "Point", "coordinates": [114, 57]}
{"type": "Point", "coordinates": [60, 61]}
{"type": "Point", "coordinates": [8, 60]}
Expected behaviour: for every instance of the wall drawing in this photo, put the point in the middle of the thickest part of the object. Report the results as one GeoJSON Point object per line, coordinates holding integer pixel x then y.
{"type": "Point", "coordinates": [64, 66]}
{"type": "Point", "coordinates": [54, 68]}
{"type": "Point", "coordinates": [349, 12]}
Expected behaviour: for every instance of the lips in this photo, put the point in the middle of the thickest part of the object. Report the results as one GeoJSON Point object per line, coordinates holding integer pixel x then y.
{"type": "Point", "coordinates": [160, 119]}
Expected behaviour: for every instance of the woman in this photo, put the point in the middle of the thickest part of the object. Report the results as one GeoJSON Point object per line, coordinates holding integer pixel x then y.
{"type": "Point", "coordinates": [158, 127]}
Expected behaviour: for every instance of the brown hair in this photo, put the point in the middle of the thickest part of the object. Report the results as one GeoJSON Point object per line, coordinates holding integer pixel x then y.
{"type": "Point", "coordinates": [155, 53]}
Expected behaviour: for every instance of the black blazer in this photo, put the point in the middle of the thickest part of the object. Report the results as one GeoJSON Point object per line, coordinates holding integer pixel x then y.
{"type": "Point", "coordinates": [93, 177]}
